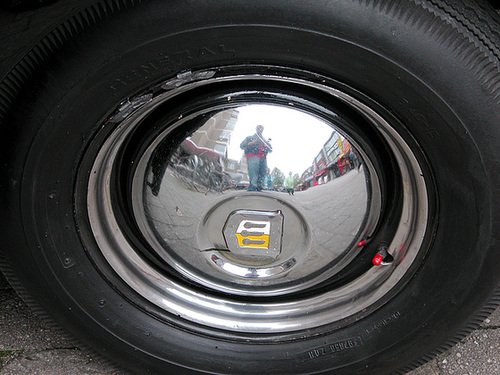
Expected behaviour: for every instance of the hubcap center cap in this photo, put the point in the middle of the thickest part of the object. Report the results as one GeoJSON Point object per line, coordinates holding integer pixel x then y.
{"type": "Point", "coordinates": [254, 233]}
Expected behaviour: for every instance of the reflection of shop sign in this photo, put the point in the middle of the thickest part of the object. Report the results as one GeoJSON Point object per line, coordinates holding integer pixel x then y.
{"type": "Point", "coordinates": [254, 233]}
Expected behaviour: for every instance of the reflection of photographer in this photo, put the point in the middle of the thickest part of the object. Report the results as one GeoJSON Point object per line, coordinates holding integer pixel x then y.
{"type": "Point", "coordinates": [256, 149]}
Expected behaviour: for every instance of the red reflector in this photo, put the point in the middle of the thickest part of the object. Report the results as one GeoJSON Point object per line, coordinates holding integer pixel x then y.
{"type": "Point", "coordinates": [361, 244]}
{"type": "Point", "coordinates": [377, 260]}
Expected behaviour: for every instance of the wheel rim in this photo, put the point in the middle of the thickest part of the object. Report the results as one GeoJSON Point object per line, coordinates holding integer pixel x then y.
{"type": "Point", "coordinates": [178, 246]}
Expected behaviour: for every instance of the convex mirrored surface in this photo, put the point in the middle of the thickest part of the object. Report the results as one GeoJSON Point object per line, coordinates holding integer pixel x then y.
{"type": "Point", "coordinates": [257, 198]}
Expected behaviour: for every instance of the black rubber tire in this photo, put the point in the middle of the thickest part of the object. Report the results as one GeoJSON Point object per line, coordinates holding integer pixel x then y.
{"type": "Point", "coordinates": [433, 66]}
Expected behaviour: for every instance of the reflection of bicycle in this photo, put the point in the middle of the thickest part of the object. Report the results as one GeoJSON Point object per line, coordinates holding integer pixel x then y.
{"type": "Point", "coordinates": [215, 179]}
{"type": "Point", "coordinates": [218, 181]}
{"type": "Point", "coordinates": [200, 175]}
{"type": "Point", "coordinates": [185, 168]}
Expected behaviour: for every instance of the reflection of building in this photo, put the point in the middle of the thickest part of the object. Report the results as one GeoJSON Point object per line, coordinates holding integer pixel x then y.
{"type": "Point", "coordinates": [201, 160]}
{"type": "Point", "coordinates": [333, 148]}
{"type": "Point", "coordinates": [236, 171]}
{"type": "Point", "coordinates": [308, 177]}
{"type": "Point", "coordinates": [334, 159]}
{"type": "Point", "coordinates": [206, 150]}
{"type": "Point", "coordinates": [215, 134]}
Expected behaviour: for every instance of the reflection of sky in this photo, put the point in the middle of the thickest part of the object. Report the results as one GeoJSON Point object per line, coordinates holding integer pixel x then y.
{"type": "Point", "coordinates": [296, 137]}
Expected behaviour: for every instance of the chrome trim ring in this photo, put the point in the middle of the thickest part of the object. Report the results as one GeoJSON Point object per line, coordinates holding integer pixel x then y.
{"type": "Point", "coordinates": [212, 295]}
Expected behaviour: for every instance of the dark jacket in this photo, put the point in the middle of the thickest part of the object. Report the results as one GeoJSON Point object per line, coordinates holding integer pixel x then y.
{"type": "Point", "coordinates": [253, 149]}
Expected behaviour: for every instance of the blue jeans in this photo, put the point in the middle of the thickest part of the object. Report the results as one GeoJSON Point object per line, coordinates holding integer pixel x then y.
{"type": "Point", "coordinates": [257, 171]}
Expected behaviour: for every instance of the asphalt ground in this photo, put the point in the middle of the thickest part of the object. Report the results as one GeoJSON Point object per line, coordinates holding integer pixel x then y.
{"type": "Point", "coordinates": [30, 346]}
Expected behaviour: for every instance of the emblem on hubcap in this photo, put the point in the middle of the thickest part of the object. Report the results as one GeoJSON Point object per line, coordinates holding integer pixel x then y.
{"type": "Point", "coordinates": [254, 233]}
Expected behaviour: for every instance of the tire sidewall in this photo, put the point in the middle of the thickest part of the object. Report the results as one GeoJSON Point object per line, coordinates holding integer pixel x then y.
{"type": "Point", "coordinates": [86, 86]}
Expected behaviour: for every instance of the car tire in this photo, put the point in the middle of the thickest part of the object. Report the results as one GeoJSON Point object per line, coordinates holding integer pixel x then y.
{"type": "Point", "coordinates": [416, 85]}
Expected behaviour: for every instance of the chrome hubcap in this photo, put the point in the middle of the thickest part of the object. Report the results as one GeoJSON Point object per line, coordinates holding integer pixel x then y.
{"type": "Point", "coordinates": [265, 242]}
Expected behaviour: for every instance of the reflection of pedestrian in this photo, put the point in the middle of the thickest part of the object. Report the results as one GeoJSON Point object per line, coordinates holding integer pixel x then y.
{"type": "Point", "coordinates": [256, 149]}
{"type": "Point", "coordinates": [290, 184]}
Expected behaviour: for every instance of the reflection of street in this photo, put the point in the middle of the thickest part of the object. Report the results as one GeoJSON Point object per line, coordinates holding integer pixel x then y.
{"type": "Point", "coordinates": [334, 212]}
{"type": "Point", "coordinates": [177, 210]}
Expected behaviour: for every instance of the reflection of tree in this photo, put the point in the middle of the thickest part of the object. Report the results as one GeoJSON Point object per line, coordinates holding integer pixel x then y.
{"type": "Point", "coordinates": [278, 178]}
{"type": "Point", "coordinates": [296, 179]}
